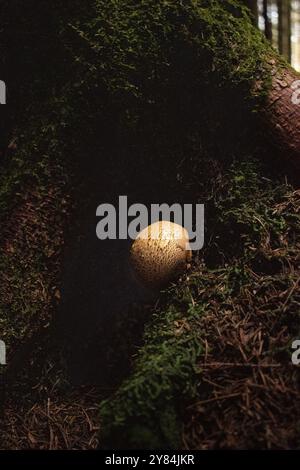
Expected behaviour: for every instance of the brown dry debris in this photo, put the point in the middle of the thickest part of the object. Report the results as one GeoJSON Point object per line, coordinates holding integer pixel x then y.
{"type": "Point", "coordinates": [246, 404]}
{"type": "Point", "coordinates": [69, 422]}
{"type": "Point", "coordinates": [249, 388]}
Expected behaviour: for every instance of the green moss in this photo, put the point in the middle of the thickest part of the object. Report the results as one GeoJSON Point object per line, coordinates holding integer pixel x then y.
{"type": "Point", "coordinates": [165, 374]}
{"type": "Point", "coordinates": [212, 38]}
{"type": "Point", "coordinates": [35, 201]}
{"type": "Point", "coordinates": [139, 63]}
{"type": "Point", "coordinates": [243, 211]}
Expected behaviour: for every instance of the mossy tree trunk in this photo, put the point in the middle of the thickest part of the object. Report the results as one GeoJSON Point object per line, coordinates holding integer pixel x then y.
{"type": "Point", "coordinates": [191, 51]}
{"type": "Point", "coordinates": [165, 58]}
{"type": "Point", "coordinates": [160, 72]}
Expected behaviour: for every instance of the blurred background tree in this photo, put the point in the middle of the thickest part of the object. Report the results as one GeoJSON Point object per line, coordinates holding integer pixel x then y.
{"type": "Point", "coordinates": [280, 21]}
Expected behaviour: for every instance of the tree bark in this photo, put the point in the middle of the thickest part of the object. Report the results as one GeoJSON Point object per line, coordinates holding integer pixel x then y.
{"type": "Point", "coordinates": [253, 6]}
{"type": "Point", "coordinates": [268, 22]}
{"type": "Point", "coordinates": [281, 115]}
{"type": "Point", "coordinates": [284, 28]}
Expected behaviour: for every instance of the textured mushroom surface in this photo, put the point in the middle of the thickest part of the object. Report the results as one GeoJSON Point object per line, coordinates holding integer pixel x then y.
{"type": "Point", "coordinates": [160, 253]}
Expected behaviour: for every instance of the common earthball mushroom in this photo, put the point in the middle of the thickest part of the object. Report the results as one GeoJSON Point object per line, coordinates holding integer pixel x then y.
{"type": "Point", "coordinates": [160, 253]}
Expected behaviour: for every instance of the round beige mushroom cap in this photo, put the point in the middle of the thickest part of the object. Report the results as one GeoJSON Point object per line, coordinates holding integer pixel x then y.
{"type": "Point", "coordinates": [160, 253]}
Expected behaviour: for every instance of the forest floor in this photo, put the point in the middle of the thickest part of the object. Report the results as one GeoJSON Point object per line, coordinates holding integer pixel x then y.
{"type": "Point", "coordinates": [72, 343]}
